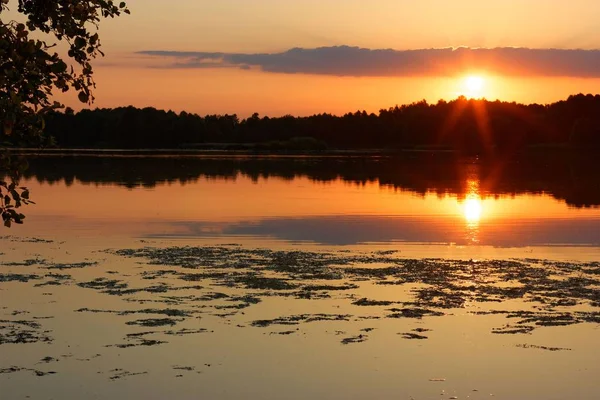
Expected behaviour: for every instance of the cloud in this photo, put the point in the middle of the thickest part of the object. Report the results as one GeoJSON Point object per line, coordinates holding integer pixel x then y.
{"type": "Point", "coordinates": [355, 61]}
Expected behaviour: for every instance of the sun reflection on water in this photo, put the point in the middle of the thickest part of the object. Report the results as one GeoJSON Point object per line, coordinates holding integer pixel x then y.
{"type": "Point", "coordinates": [473, 210]}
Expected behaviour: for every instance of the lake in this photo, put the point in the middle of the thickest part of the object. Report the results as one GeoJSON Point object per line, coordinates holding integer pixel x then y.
{"type": "Point", "coordinates": [413, 277]}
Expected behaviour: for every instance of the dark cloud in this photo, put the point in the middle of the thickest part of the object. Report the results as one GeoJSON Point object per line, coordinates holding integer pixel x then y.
{"type": "Point", "coordinates": [355, 61]}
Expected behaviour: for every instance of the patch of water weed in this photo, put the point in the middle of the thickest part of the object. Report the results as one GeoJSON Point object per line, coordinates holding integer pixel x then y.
{"type": "Point", "coordinates": [309, 295]}
{"type": "Point", "coordinates": [151, 275]}
{"type": "Point", "coordinates": [55, 280]}
{"type": "Point", "coordinates": [435, 284]}
{"type": "Point", "coordinates": [25, 263]}
{"type": "Point", "coordinates": [187, 331]}
{"type": "Point", "coordinates": [22, 332]}
{"type": "Point", "coordinates": [413, 336]}
{"type": "Point", "coordinates": [210, 296]}
{"type": "Point", "coordinates": [513, 330]}
{"type": "Point", "coordinates": [103, 284]}
{"type": "Point", "coordinates": [150, 322]}
{"type": "Point", "coordinates": [329, 288]}
{"type": "Point", "coordinates": [354, 339]}
{"type": "Point", "coordinates": [79, 265]}
{"type": "Point", "coordinates": [90, 358]}
{"type": "Point", "coordinates": [23, 278]}
{"type": "Point", "coordinates": [10, 370]}
{"type": "Point", "coordinates": [527, 321]}
{"type": "Point", "coordinates": [283, 333]}
{"type": "Point", "coordinates": [251, 281]}
{"type": "Point", "coordinates": [160, 288]}
{"type": "Point", "coordinates": [169, 312]}
{"type": "Point", "coordinates": [25, 239]}
{"type": "Point", "coordinates": [183, 368]}
{"type": "Point", "coordinates": [239, 306]}
{"type": "Point", "coordinates": [532, 346]}
{"type": "Point", "coordinates": [47, 360]}
{"type": "Point", "coordinates": [298, 319]}
{"type": "Point", "coordinates": [247, 299]}
{"type": "Point", "coordinates": [139, 342]}
{"type": "Point", "coordinates": [364, 302]}
{"type": "Point", "coordinates": [417, 313]}
{"type": "Point", "coordinates": [96, 311]}
{"type": "Point", "coordinates": [119, 373]}
{"type": "Point", "coordinates": [36, 372]}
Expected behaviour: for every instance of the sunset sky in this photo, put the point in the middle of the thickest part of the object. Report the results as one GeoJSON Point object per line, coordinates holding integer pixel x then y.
{"type": "Point", "coordinates": [280, 57]}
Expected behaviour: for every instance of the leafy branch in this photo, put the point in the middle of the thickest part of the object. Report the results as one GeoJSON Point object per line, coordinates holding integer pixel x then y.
{"type": "Point", "coordinates": [30, 72]}
{"type": "Point", "coordinates": [11, 198]}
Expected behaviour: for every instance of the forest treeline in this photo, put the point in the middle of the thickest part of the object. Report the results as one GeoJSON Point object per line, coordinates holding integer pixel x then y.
{"type": "Point", "coordinates": [466, 125]}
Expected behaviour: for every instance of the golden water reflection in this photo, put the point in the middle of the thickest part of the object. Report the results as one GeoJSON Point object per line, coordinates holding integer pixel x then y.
{"type": "Point", "coordinates": [279, 201]}
{"type": "Point", "coordinates": [473, 210]}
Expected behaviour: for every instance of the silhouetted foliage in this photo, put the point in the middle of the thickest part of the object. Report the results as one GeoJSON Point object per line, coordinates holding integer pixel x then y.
{"type": "Point", "coordinates": [12, 196]}
{"type": "Point", "coordinates": [465, 126]}
{"type": "Point", "coordinates": [30, 71]}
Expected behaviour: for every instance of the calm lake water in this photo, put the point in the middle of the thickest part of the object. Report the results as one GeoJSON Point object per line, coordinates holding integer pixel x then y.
{"type": "Point", "coordinates": [420, 277]}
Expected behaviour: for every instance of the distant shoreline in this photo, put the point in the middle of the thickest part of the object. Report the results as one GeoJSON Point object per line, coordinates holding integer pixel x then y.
{"type": "Point", "coordinates": [223, 152]}
{"type": "Point", "coordinates": [214, 152]}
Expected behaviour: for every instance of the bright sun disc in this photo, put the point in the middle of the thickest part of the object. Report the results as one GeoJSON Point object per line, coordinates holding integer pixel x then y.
{"type": "Point", "coordinates": [474, 85]}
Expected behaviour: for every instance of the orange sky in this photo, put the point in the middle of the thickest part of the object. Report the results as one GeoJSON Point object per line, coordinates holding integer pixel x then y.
{"type": "Point", "coordinates": [246, 92]}
{"type": "Point", "coordinates": [273, 26]}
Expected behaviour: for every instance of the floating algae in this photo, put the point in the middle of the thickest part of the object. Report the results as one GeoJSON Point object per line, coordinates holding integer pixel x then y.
{"type": "Point", "coordinates": [22, 332]}
{"type": "Point", "coordinates": [441, 284]}
{"type": "Point", "coordinates": [354, 339]}
{"type": "Point", "coordinates": [410, 335]}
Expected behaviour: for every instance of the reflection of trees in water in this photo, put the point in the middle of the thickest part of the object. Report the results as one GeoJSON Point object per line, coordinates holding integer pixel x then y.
{"type": "Point", "coordinates": [572, 179]}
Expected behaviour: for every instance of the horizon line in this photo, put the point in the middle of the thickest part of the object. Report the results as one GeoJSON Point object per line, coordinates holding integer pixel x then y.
{"type": "Point", "coordinates": [458, 98]}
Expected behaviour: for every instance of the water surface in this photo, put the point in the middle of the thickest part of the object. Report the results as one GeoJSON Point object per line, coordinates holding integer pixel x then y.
{"type": "Point", "coordinates": [418, 277]}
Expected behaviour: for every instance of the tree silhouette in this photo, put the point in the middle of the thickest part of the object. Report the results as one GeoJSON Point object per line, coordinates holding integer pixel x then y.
{"type": "Point", "coordinates": [463, 126]}
{"type": "Point", "coordinates": [30, 71]}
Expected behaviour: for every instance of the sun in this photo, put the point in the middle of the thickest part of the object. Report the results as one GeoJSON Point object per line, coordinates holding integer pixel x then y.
{"type": "Point", "coordinates": [474, 85]}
